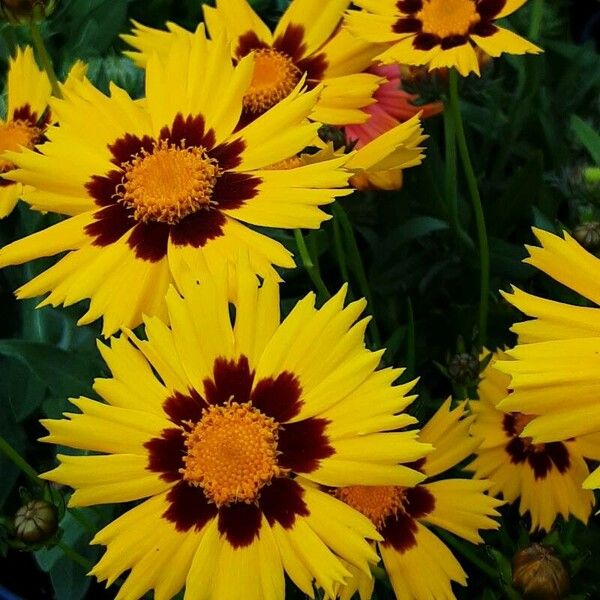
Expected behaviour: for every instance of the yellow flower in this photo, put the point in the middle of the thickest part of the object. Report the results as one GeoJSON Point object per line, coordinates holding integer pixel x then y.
{"type": "Point", "coordinates": [307, 42]}
{"type": "Point", "coordinates": [212, 418]}
{"type": "Point", "coordinates": [153, 186]}
{"type": "Point", "coordinates": [545, 478]}
{"type": "Point", "coordinates": [555, 374]}
{"type": "Point", "coordinates": [380, 161]}
{"type": "Point", "coordinates": [419, 564]}
{"type": "Point", "coordinates": [438, 33]}
{"type": "Point", "coordinates": [27, 117]}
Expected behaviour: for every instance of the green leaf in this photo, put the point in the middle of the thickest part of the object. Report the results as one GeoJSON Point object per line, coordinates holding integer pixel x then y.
{"type": "Point", "coordinates": [69, 579]}
{"type": "Point", "coordinates": [65, 373]}
{"type": "Point", "coordinates": [587, 136]}
{"type": "Point", "coordinates": [513, 206]}
{"type": "Point", "coordinates": [15, 436]}
{"type": "Point", "coordinates": [21, 390]}
{"type": "Point", "coordinates": [415, 228]}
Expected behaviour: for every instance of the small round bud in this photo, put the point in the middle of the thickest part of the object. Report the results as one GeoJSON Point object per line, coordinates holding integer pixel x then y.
{"type": "Point", "coordinates": [539, 574]}
{"type": "Point", "coordinates": [35, 522]}
{"type": "Point", "coordinates": [463, 368]}
{"type": "Point", "coordinates": [588, 235]}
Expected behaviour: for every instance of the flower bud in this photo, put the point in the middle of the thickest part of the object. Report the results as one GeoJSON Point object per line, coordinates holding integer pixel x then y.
{"type": "Point", "coordinates": [35, 522]}
{"type": "Point", "coordinates": [18, 11]}
{"type": "Point", "coordinates": [463, 369]}
{"type": "Point", "coordinates": [588, 235]}
{"type": "Point", "coordinates": [539, 574]}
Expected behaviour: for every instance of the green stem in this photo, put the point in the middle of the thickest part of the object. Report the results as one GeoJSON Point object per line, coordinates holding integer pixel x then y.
{"type": "Point", "coordinates": [484, 251]}
{"type": "Point", "coordinates": [75, 556]}
{"type": "Point", "coordinates": [535, 25]}
{"type": "Point", "coordinates": [450, 179]}
{"type": "Point", "coordinates": [18, 460]}
{"type": "Point", "coordinates": [339, 250]}
{"type": "Point", "coordinates": [311, 268]}
{"type": "Point", "coordinates": [451, 185]}
{"type": "Point", "coordinates": [44, 57]}
{"type": "Point", "coordinates": [357, 265]}
{"type": "Point", "coordinates": [465, 550]}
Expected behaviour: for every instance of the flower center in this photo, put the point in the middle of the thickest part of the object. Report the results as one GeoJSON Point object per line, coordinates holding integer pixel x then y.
{"type": "Point", "coordinates": [446, 18]}
{"type": "Point", "coordinates": [13, 136]}
{"type": "Point", "coordinates": [232, 453]}
{"type": "Point", "coordinates": [375, 502]}
{"type": "Point", "coordinates": [168, 183]}
{"type": "Point", "coordinates": [275, 76]}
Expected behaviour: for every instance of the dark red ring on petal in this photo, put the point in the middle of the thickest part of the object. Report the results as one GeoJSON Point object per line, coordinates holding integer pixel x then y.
{"type": "Point", "coordinates": [426, 41]}
{"type": "Point", "coordinates": [304, 444]}
{"type": "Point", "coordinates": [489, 9]}
{"type": "Point", "coordinates": [407, 25]}
{"type": "Point", "coordinates": [150, 239]}
{"type": "Point", "coordinates": [188, 507]}
{"type": "Point", "coordinates": [409, 6]}
{"type": "Point", "coordinates": [483, 29]}
{"type": "Point", "coordinates": [453, 41]}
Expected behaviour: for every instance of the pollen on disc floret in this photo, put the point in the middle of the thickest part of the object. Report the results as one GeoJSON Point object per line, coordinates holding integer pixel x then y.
{"type": "Point", "coordinates": [232, 453]}
{"type": "Point", "coordinates": [168, 183]}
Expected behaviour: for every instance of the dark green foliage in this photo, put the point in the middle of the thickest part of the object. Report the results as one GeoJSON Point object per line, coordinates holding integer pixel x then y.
{"type": "Point", "coordinates": [532, 125]}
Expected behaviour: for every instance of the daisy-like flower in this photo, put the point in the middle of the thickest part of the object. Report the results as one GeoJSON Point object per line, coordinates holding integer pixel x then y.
{"type": "Point", "coordinates": [555, 374]}
{"type": "Point", "coordinates": [420, 566]}
{"type": "Point", "coordinates": [393, 105]}
{"type": "Point", "coordinates": [156, 185]}
{"type": "Point", "coordinates": [438, 33]}
{"type": "Point", "coordinates": [546, 478]}
{"type": "Point", "coordinates": [212, 419]}
{"type": "Point", "coordinates": [307, 43]}
{"type": "Point", "coordinates": [27, 117]}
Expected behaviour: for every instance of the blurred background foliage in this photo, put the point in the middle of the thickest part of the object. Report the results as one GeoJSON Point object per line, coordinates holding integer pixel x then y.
{"type": "Point", "coordinates": [531, 123]}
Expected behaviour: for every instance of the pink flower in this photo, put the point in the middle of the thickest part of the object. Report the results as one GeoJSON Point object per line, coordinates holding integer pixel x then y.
{"type": "Point", "coordinates": [392, 106]}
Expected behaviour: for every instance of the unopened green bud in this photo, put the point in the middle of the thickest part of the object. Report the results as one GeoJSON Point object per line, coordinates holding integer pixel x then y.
{"type": "Point", "coordinates": [35, 522]}
{"type": "Point", "coordinates": [539, 574]}
{"type": "Point", "coordinates": [463, 368]}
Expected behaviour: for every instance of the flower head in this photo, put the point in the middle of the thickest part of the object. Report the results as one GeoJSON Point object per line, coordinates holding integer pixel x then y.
{"type": "Point", "coordinates": [27, 118]}
{"type": "Point", "coordinates": [554, 376]}
{"type": "Point", "coordinates": [438, 33]}
{"type": "Point", "coordinates": [153, 186]}
{"type": "Point", "coordinates": [418, 563]}
{"type": "Point", "coordinates": [545, 478]}
{"type": "Point", "coordinates": [306, 43]}
{"type": "Point", "coordinates": [214, 420]}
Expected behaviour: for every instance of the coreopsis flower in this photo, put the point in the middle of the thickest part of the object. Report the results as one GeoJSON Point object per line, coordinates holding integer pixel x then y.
{"type": "Point", "coordinates": [438, 33]}
{"type": "Point", "coordinates": [393, 105]}
{"type": "Point", "coordinates": [27, 117]}
{"type": "Point", "coordinates": [306, 43]}
{"type": "Point", "coordinates": [152, 186]}
{"type": "Point", "coordinates": [212, 418]}
{"type": "Point", "coordinates": [420, 566]}
{"type": "Point", "coordinates": [554, 376]}
{"type": "Point", "coordinates": [545, 478]}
